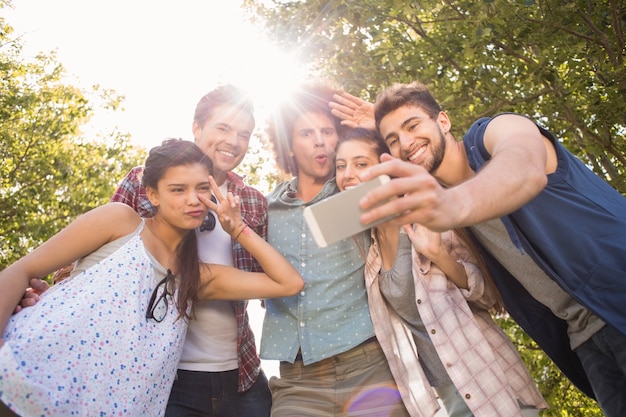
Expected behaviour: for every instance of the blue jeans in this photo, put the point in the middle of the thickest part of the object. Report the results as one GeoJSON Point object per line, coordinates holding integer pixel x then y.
{"type": "Point", "coordinates": [214, 394]}
{"type": "Point", "coordinates": [604, 359]}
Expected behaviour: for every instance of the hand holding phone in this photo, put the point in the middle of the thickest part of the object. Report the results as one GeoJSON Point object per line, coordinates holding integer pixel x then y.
{"type": "Point", "coordinates": [337, 217]}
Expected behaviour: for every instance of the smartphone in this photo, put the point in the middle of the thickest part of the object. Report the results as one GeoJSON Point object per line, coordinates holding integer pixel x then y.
{"type": "Point", "coordinates": [337, 217]}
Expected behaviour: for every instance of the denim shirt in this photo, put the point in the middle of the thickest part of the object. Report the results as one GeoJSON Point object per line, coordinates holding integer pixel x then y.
{"type": "Point", "coordinates": [331, 314]}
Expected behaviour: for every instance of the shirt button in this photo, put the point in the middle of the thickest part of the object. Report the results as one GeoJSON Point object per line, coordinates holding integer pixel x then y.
{"type": "Point", "coordinates": [433, 331]}
{"type": "Point", "coordinates": [419, 301]}
{"type": "Point", "coordinates": [301, 324]}
{"type": "Point", "coordinates": [303, 235]}
{"type": "Point", "coordinates": [302, 293]}
{"type": "Point", "coordinates": [467, 396]}
{"type": "Point", "coordinates": [303, 264]}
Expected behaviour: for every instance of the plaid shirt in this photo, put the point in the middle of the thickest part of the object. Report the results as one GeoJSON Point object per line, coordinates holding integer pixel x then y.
{"type": "Point", "coordinates": [480, 359]}
{"type": "Point", "coordinates": [254, 214]}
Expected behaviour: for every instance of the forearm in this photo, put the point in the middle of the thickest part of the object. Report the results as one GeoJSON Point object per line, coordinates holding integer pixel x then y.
{"type": "Point", "coordinates": [453, 270]}
{"type": "Point", "coordinates": [13, 284]}
{"type": "Point", "coordinates": [514, 175]}
{"type": "Point", "coordinates": [501, 187]}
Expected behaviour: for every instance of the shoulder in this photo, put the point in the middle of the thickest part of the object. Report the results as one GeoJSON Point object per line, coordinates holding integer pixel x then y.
{"type": "Point", "coordinates": [279, 190]}
{"type": "Point", "coordinates": [115, 216]}
{"type": "Point", "coordinates": [135, 174]}
{"type": "Point", "coordinates": [510, 122]}
{"type": "Point", "coordinates": [238, 187]}
{"type": "Point", "coordinates": [482, 135]}
{"type": "Point", "coordinates": [129, 185]}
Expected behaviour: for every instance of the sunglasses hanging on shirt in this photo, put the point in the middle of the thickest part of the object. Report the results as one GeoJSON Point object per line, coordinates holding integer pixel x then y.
{"type": "Point", "coordinates": [209, 220]}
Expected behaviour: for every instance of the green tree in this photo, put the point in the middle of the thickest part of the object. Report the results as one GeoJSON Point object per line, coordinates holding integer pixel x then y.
{"type": "Point", "coordinates": [559, 61]}
{"type": "Point", "coordinates": [258, 167]}
{"type": "Point", "coordinates": [50, 172]}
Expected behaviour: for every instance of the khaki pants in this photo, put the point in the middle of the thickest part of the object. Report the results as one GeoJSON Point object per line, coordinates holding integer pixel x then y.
{"type": "Point", "coordinates": [354, 383]}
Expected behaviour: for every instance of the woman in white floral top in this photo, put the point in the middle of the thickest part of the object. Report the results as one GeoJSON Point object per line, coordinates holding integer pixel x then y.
{"type": "Point", "coordinates": [107, 340]}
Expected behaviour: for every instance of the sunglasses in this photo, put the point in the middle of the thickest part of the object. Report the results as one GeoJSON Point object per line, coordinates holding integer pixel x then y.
{"type": "Point", "coordinates": [210, 220]}
{"type": "Point", "coordinates": [158, 305]}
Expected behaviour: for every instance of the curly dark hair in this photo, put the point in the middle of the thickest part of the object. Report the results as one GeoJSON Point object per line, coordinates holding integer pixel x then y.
{"type": "Point", "coordinates": [311, 97]}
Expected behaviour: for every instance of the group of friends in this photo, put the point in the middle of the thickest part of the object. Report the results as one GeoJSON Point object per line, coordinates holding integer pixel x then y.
{"type": "Point", "coordinates": [392, 322]}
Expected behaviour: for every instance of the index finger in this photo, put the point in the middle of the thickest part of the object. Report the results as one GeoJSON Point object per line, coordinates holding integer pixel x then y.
{"type": "Point", "coordinates": [216, 190]}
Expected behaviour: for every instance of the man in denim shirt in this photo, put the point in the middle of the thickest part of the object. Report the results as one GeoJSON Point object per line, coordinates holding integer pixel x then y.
{"type": "Point", "coordinates": [331, 362]}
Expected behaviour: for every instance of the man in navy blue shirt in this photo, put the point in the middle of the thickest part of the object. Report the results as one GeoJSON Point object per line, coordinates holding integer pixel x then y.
{"type": "Point", "coordinates": [553, 232]}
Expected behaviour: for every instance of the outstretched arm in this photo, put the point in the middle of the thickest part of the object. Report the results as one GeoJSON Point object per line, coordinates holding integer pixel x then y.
{"type": "Point", "coordinates": [280, 278]}
{"type": "Point", "coordinates": [517, 172]}
{"type": "Point", "coordinates": [353, 111]}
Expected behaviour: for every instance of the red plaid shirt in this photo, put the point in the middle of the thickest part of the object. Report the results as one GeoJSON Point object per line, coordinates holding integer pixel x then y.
{"type": "Point", "coordinates": [254, 214]}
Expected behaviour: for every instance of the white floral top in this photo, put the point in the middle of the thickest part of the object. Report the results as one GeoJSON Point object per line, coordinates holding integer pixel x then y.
{"type": "Point", "coordinates": [86, 348]}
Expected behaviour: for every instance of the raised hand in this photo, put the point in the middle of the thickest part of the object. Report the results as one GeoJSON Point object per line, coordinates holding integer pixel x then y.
{"type": "Point", "coordinates": [353, 111]}
{"type": "Point", "coordinates": [421, 198]}
{"type": "Point", "coordinates": [227, 209]}
{"type": "Point", "coordinates": [424, 240]}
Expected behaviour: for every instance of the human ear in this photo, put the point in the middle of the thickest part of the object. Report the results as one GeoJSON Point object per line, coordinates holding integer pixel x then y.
{"type": "Point", "coordinates": [444, 121]}
{"type": "Point", "coordinates": [153, 196]}
{"type": "Point", "coordinates": [196, 129]}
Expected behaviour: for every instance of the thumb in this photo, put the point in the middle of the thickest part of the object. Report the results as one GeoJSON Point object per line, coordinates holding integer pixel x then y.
{"type": "Point", "coordinates": [386, 157]}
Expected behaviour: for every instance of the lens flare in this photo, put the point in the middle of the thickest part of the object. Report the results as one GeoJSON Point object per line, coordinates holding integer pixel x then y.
{"type": "Point", "coordinates": [376, 402]}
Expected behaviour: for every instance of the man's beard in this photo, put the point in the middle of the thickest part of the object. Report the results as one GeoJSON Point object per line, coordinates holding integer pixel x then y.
{"type": "Point", "coordinates": [438, 153]}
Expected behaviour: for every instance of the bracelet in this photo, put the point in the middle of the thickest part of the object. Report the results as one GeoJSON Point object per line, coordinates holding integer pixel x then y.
{"type": "Point", "coordinates": [242, 229]}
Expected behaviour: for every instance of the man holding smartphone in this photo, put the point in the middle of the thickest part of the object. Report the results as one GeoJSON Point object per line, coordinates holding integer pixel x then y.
{"type": "Point", "coordinates": [553, 232]}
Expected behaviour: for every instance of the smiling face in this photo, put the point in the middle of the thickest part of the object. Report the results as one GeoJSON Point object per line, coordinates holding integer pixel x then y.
{"type": "Point", "coordinates": [353, 157]}
{"type": "Point", "coordinates": [313, 145]}
{"type": "Point", "coordinates": [176, 195]}
{"type": "Point", "coordinates": [415, 137]}
{"type": "Point", "coordinates": [224, 137]}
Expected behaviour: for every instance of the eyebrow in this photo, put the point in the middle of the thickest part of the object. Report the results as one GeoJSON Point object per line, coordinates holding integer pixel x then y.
{"type": "Point", "coordinates": [409, 120]}
{"type": "Point", "coordinates": [402, 126]}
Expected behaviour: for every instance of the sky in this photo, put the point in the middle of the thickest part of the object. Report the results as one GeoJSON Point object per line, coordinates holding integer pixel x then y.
{"type": "Point", "coordinates": [162, 56]}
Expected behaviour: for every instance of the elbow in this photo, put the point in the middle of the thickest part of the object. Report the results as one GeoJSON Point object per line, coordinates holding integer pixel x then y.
{"type": "Point", "coordinates": [297, 286]}
{"type": "Point", "coordinates": [536, 183]}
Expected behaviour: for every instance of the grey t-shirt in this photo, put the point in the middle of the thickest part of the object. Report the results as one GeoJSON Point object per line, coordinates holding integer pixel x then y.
{"type": "Point", "coordinates": [398, 289]}
{"type": "Point", "coordinates": [582, 323]}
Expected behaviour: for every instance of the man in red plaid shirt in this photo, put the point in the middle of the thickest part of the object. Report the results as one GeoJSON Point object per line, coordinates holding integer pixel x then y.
{"type": "Point", "coordinates": [220, 371]}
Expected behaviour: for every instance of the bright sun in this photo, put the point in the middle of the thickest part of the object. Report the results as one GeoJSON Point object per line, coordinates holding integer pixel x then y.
{"type": "Point", "coordinates": [162, 56]}
{"type": "Point", "coordinates": [161, 64]}
{"type": "Point", "coordinates": [269, 74]}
